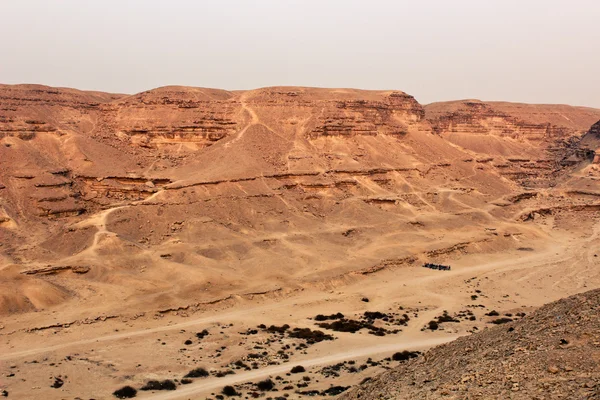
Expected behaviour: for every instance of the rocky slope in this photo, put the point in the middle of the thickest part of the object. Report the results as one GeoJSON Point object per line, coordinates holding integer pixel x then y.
{"type": "Point", "coordinates": [554, 353]}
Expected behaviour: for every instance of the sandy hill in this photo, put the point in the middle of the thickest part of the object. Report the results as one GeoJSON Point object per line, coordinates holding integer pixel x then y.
{"type": "Point", "coordinates": [554, 353]}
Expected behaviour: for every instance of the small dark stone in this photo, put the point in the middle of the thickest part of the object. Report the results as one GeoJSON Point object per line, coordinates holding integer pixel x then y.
{"type": "Point", "coordinates": [57, 383]}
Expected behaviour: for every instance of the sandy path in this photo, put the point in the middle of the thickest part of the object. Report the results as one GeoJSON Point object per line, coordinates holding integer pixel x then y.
{"type": "Point", "coordinates": [217, 383]}
{"type": "Point", "coordinates": [141, 332]}
{"type": "Point", "coordinates": [253, 121]}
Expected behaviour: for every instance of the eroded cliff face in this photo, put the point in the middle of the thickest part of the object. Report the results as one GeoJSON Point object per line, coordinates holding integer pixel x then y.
{"type": "Point", "coordinates": [530, 144]}
{"type": "Point", "coordinates": [591, 142]}
{"type": "Point", "coordinates": [131, 188]}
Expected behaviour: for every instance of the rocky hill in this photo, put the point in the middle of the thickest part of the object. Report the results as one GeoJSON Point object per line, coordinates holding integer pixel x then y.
{"type": "Point", "coordinates": [243, 182]}
{"type": "Point", "coordinates": [554, 353]}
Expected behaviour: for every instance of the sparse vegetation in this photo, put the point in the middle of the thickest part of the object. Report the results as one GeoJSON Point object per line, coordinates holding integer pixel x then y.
{"type": "Point", "coordinates": [202, 335]}
{"type": "Point", "coordinates": [229, 391]}
{"type": "Point", "coordinates": [405, 355]}
{"type": "Point", "coordinates": [322, 317]}
{"type": "Point", "coordinates": [265, 385]}
{"type": "Point", "coordinates": [297, 369]}
{"type": "Point", "coordinates": [167, 384]}
{"type": "Point", "coordinates": [309, 335]}
{"type": "Point", "coordinates": [433, 325]}
{"type": "Point", "coordinates": [126, 392]}
{"type": "Point", "coordinates": [334, 390]}
{"type": "Point", "coordinates": [502, 320]}
{"type": "Point", "coordinates": [197, 373]}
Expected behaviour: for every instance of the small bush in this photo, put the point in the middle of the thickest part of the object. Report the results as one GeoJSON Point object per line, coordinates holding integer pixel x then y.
{"type": "Point", "coordinates": [201, 335]}
{"type": "Point", "coordinates": [405, 355]}
{"type": "Point", "coordinates": [433, 325]}
{"type": "Point", "coordinates": [445, 317]}
{"type": "Point", "coordinates": [278, 329]}
{"type": "Point", "coordinates": [222, 374]}
{"type": "Point", "coordinates": [375, 315]}
{"type": "Point", "coordinates": [126, 392]}
{"type": "Point", "coordinates": [265, 385]}
{"type": "Point", "coordinates": [493, 313]}
{"type": "Point", "coordinates": [186, 381]}
{"type": "Point", "coordinates": [502, 320]}
{"type": "Point", "coordinates": [167, 384]}
{"type": "Point", "coordinates": [229, 391]}
{"type": "Point", "coordinates": [298, 369]}
{"type": "Point", "coordinates": [309, 335]}
{"type": "Point", "coordinates": [334, 390]}
{"type": "Point", "coordinates": [322, 317]}
{"type": "Point", "coordinates": [197, 373]}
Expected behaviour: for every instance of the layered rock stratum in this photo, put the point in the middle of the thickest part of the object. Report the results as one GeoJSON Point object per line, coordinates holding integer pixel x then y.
{"type": "Point", "coordinates": [118, 211]}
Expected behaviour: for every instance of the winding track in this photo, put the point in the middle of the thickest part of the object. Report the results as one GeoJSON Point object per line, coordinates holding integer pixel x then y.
{"type": "Point", "coordinates": [217, 383]}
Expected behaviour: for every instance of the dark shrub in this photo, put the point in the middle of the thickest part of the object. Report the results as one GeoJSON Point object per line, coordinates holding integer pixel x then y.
{"type": "Point", "coordinates": [322, 317]}
{"type": "Point", "coordinates": [167, 384]}
{"type": "Point", "coordinates": [309, 335]}
{"type": "Point", "coordinates": [298, 369]}
{"type": "Point", "coordinates": [201, 335]}
{"type": "Point", "coordinates": [334, 390]}
{"type": "Point", "coordinates": [265, 385]}
{"type": "Point", "coordinates": [229, 391]}
{"type": "Point", "coordinates": [188, 342]}
{"type": "Point", "coordinates": [310, 393]}
{"type": "Point", "coordinates": [126, 392]}
{"type": "Point", "coordinates": [221, 374]}
{"type": "Point", "coordinates": [197, 373]}
{"type": "Point", "coordinates": [405, 355]}
{"type": "Point", "coordinates": [278, 329]}
{"type": "Point", "coordinates": [502, 320]}
{"type": "Point", "coordinates": [186, 381]}
{"type": "Point", "coordinates": [375, 315]}
{"type": "Point", "coordinates": [492, 313]}
{"type": "Point", "coordinates": [433, 325]}
{"type": "Point", "coordinates": [445, 317]}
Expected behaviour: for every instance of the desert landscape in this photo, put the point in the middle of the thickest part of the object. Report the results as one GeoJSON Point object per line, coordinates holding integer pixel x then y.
{"type": "Point", "coordinates": [294, 242]}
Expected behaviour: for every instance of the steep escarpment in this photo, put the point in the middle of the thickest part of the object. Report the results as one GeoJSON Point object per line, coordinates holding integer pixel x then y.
{"type": "Point", "coordinates": [551, 354]}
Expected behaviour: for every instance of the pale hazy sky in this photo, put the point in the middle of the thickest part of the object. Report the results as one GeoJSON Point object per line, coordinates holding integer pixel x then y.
{"type": "Point", "coordinates": [544, 51]}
